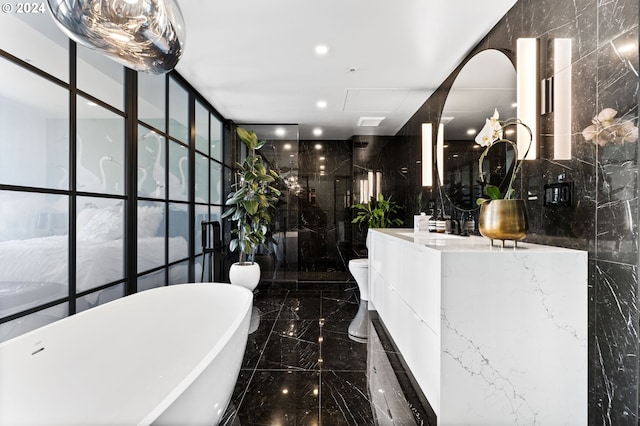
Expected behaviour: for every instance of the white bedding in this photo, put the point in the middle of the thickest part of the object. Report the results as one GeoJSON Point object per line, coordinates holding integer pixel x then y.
{"type": "Point", "coordinates": [98, 262]}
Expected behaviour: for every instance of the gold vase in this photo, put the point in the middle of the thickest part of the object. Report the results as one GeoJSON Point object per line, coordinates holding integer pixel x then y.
{"type": "Point", "coordinates": [503, 220]}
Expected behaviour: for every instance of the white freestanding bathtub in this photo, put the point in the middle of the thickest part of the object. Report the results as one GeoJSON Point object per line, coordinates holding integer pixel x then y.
{"type": "Point", "coordinates": [170, 355]}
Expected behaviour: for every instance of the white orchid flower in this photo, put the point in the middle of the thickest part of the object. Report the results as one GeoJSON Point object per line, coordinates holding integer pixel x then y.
{"type": "Point", "coordinates": [590, 132]}
{"type": "Point", "coordinates": [606, 114]}
{"type": "Point", "coordinates": [491, 131]}
{"type": "Point", "coordinates": [608, 129]}
{"type": "Point", "coordinates": [628, 132]}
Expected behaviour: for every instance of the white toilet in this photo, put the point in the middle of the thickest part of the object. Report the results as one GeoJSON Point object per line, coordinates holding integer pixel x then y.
{"type": "Point", "coordinates": [359, 327]}
{"type": "Point", "coordinates": [359, 268]}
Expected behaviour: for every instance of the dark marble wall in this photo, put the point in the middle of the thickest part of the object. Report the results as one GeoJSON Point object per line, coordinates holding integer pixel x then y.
{"type": "Point", "coordinates": [604, 216]}
{"type": "Point", "coordinates": [324, 207]}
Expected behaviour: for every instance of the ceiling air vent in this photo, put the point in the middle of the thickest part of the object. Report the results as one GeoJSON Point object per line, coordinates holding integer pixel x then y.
{"type": "Point", "coordinates": [370, 121]}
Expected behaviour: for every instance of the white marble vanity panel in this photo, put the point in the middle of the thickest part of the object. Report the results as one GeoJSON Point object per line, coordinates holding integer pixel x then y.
{"type": "Point", "coordinates": [493, 336]}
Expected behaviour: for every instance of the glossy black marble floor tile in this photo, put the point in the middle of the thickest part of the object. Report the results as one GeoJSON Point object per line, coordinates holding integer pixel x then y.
{"type": "Point", "coordinates": [301, 367]}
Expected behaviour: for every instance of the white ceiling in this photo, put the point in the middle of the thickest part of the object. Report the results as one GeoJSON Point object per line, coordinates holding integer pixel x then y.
{"type": "Point", "coordinates": [254, 60]}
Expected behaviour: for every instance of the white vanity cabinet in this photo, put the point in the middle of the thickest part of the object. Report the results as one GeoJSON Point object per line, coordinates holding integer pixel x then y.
{"type": "Point", "coordinates": [492, 336]}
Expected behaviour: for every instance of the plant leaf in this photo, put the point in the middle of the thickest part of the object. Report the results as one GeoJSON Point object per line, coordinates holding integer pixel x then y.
{"type": "Point", "coordinates": [493, 192]}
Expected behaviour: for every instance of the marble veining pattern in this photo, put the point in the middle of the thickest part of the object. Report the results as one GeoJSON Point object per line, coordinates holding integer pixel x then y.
{"type": "Point", "coordinates": [603, 218]}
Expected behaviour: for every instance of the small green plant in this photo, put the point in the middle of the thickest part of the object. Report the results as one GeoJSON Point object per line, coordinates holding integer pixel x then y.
{"type": "Point", "coordinates": [378, 213]}
{"type": "Point", "coordinates": [253, 196]}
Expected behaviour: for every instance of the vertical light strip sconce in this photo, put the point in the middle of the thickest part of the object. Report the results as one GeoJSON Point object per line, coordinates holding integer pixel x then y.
{"type": "Point", "coordinates": [528, 104]}
{"type": "Point", "coordinates": [370, 186]}
{"type": "Point", "coordinates": [378, 183]}
{"type": "Point", "coordinates": [562, 99]}
{"type": "Point", "coordinates": [440, 152]}
{"type": "Point", "coordinates": [363, 191]}
{"type": "Point", "coordinates": [427, 154]}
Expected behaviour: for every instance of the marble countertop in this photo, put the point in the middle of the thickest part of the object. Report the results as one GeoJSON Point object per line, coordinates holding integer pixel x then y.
{"type": "Point", "coordinates": [457, 243]}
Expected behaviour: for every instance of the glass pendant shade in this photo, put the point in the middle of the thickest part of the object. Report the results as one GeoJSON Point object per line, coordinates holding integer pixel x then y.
{"type": "Point", "coordinates": [145, 35]}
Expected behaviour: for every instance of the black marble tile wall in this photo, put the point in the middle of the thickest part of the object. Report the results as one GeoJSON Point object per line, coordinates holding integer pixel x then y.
{"type": "Point", "coordinates": [603, 218]}
{"type": "Point", "coordinates": [324, 234]}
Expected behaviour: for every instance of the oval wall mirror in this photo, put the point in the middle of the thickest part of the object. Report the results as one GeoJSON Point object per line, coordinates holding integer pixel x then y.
{"type": "Point", "coordinates": [487, 82]}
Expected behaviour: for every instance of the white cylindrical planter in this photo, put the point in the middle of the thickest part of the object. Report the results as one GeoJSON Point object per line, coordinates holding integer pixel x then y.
{"type": "Point", "coordinates": [246, 275]}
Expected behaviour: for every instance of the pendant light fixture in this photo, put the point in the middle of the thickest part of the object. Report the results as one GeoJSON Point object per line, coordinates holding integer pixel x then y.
{"type": "Point", "coordinates": [145, 35]}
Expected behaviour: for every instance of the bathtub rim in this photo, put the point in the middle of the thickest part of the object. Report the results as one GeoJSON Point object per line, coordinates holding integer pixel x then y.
{"type": "Point", "coordinates": [197, 370]}
{"type": "Point", "coordinates": [184, 383]}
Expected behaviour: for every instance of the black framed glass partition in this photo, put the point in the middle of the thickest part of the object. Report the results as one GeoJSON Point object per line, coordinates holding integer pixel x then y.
{"type": "Point", "coordinates": [105, 177]}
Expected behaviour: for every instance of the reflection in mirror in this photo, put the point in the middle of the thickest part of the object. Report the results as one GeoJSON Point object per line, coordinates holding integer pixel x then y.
{"type": "Point", "coordinates": [487, 82]}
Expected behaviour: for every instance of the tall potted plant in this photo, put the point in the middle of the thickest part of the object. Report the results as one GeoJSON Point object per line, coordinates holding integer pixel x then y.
{"type": "Point", "coordinates": [249, 204]}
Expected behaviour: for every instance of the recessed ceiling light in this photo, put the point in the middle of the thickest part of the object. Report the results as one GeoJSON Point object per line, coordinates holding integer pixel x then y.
{"type": "Point", "coordinates": [472, 131]}
{"type": "Point", "coordinates": [322, 49]}
{"type": "Point", "coordinates": [322, 104]}
{"type": "Point", "coordinates": [317, 131]}
{"type": "Point", "coordinates": [291, 155]}
{"type": "Point", "coordinates": [321, 158]}
{"type": "Point", "coordinates": [287, 146]}
{"type": "Point", "coordinates": [318, 146]}
{"type": "Point", "coordinates": [280, 131]}
{"type": "Point", "coordinates": [321, 166]}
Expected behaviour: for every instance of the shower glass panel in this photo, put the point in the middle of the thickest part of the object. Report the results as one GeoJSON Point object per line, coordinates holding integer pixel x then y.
{"type": "Point", "coordinates": [178, 232]}
{"type": "Point", "coordinates": [100, 149]}
{"type": "Point", "coordinates": [202, 129]}
{"type": "Point", "coordinates": [179, 273]}
{"type": "Point", "coordinates": [151, 235]}
{"type": "Point", "coordinates": [35, 38]}
{"type": "Point", "coordinates": [202, 179]}
{"type": "Point", "coordinates": [178, 171]}
{"type": "Point", "coordinates": [99, 242]}
{"type": "Point", "coordinates": [178, 111]}
{"type": "Point", "coordinates": [34, 140]}
{"type": "Point", "coordinates": [151, 99]}
{"type": "Point", "coordinates": [198, 265]}
{"type": "Point", "coordinates": [100, 77]}
{"type": "Point", "coordinates": [216, 183]}
{"type": "Point", "coordinates": [201, 214]}
{"type": "Point", "coordinates": [151, 280]}
{"type": "Point", "coordinates": [100, 297]}
{"type": "Point", "coordinates": [151, 164]}
{"type": "Point", "coordinates": [22, 325]}
{"type": "Point", "coordinates": [34, 245]}
{"type": "Point", "coordinates": [204, 213]}
{"type": "Point", "coordinates": [216, 138]}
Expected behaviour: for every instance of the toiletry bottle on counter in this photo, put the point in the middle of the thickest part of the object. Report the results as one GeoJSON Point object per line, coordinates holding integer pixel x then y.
{"type": "Point", "coordinates": [469, 224]}
{"type": "Point", "coordinates": [440, 223]}
{"type": "Point", "coordinates": [431, 226]}
{"type": "Point", "coordinates": [421, 222]}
